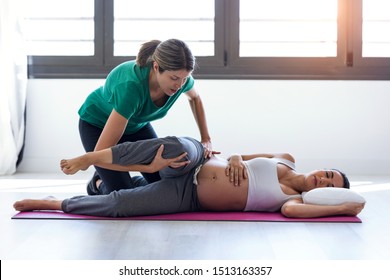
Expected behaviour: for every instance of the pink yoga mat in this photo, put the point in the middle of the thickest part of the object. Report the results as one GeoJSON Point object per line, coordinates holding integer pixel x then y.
{"type": "Point", "coordinates": [191, 216]}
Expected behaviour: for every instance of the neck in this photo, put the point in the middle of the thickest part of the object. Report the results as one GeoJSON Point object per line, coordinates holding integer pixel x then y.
{"type": "Point", "coordinates": [297, 182]}
{"type": "Point", "coordinates": [155, 91]}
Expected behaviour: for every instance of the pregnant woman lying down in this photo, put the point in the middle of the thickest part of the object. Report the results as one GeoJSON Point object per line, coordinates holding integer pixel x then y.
{"type": "Point", "coordinates": [190, 182]}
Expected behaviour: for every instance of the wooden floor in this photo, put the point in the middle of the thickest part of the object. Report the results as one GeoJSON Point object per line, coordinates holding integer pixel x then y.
{"type": "Point", "coordinates": [170, 240]}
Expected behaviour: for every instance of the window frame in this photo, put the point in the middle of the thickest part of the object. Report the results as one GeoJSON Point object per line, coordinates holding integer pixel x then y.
{"type": "Point", "coordinates": [226, 63]}
{"type": "Point", "coordinates": [366, 67]}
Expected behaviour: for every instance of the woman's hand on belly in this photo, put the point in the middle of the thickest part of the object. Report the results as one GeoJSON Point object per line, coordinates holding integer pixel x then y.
{"type": "Point", "coordinates": [236, 170]}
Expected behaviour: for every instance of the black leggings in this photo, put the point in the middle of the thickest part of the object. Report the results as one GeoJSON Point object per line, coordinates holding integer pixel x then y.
{"type": "Point", "coordinates": [116, 180]}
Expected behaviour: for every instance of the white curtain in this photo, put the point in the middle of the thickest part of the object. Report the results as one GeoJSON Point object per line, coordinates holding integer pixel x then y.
{"type": "Point", "coordinates": [13, 81]}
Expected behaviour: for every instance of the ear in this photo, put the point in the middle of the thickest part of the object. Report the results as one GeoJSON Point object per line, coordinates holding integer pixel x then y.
{"type": "Point", "coordinates": [155, 66]}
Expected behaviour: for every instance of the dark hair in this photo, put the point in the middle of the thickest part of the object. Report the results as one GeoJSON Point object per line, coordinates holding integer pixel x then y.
{"type": "Point", "coordinates": [346, 183]}
{"type": "Point", "coordinates": [171, 55]}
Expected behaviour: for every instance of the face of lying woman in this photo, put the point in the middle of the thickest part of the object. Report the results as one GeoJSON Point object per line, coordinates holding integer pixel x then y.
{"type": "Point", "coordinates": [324, 178]}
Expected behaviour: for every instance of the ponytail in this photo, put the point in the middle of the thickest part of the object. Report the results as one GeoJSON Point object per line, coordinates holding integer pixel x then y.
{"type": "Point", "coordinates": [171, 55]}
{"type": "Point", "coordinates": [146, 51]}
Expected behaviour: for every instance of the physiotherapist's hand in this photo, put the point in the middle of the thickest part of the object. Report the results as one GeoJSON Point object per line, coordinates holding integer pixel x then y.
{"type": "Point", "coordinates": [160, 163]}
{"type": "Point", "coordinates": [208, 149]}
{"type": "Point", "coordinates": [236, 170]}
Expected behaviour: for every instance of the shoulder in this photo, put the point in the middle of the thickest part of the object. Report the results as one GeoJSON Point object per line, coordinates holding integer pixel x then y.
{"type": "Point", "coordinates": [286, 159]}
{"type": "Point", "coordinates": [128, 71]}
{"type": "Point", "coordinates": [123, 67]}
{"type": "Point", "coordinates": [189, 84]}
{"type": "Point", "coordinates": [126, 78]}
{"type": "Point", "coordinates": [286, 156]}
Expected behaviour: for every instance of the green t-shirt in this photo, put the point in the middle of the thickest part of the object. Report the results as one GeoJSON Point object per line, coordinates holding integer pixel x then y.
{"type": "Point", "coordinates": [126, 90]}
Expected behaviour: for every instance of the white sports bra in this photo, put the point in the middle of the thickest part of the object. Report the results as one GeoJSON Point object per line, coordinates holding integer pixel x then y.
{"type": "Point", "coordinates": [264, 191]}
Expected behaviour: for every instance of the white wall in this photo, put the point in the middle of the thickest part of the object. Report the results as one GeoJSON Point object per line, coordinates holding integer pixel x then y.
{"type": "Point", "coordinates": [342, 124]}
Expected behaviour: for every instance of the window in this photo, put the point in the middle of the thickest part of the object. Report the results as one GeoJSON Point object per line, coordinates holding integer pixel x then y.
{"type": "Point", "coordinates": [303, 28]}
{"type": "Point", "coordinates": [133, 24]}
{"type": "Point", "coordinates": [191, 21]}
{"type": "Point", "coordinates": [376, 26]}
{"type": "Point", "coordinates": [56, 28]}
{"type": "Point", "coordinates": [231, 39]}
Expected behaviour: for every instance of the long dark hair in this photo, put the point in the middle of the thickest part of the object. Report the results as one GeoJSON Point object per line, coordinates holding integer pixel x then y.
{"type": "Point", "coordinates": [345, 179]}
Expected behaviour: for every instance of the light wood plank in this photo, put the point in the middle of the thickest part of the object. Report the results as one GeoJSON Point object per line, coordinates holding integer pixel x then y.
{"type": "Point", "coordinates": [170, 240]}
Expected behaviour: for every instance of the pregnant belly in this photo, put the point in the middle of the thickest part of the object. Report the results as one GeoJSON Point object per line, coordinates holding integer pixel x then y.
{"type": "Point", "coordinates": [216, 192]}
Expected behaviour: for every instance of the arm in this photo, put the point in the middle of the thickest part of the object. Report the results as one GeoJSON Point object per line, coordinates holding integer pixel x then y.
{"type": "Point", "coordinates": [111, 134]}
{"type": "Point", "coordinates": [200, 118]}
{"type": "Point", "coordinates": [278, 155]}
{"type": "Point", "coordinates": [295, 208]}
{"type": "Point", "coordinates": [104, 158]}
{"type": "Point", "coordinates": [157, 164]}
{"type": "Point", "coordinates": [112, 131]}
{"type": "Point", "coordinates": [236, 169]}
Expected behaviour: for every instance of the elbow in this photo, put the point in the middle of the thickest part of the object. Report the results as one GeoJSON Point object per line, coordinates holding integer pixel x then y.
{"type": "Point", "coordinates": [288, 211]}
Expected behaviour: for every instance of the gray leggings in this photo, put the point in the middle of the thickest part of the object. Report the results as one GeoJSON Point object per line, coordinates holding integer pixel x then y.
{"type": "Point", "coordinates": [174, 193]}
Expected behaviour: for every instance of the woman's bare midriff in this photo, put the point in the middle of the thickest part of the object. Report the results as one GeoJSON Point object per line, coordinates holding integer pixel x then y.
{"type": "Point", "coordinates": [216, 192]}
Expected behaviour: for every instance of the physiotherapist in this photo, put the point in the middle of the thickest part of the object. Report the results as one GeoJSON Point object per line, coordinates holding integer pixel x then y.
{"type": "Point", "coordinates": [135, 93]}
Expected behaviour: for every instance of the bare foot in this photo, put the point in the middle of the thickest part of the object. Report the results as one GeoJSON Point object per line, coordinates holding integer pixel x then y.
{"type": "Point", "coordinates": [38, 204]}
{"type": "Point", "coordinates": [72, 166]}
